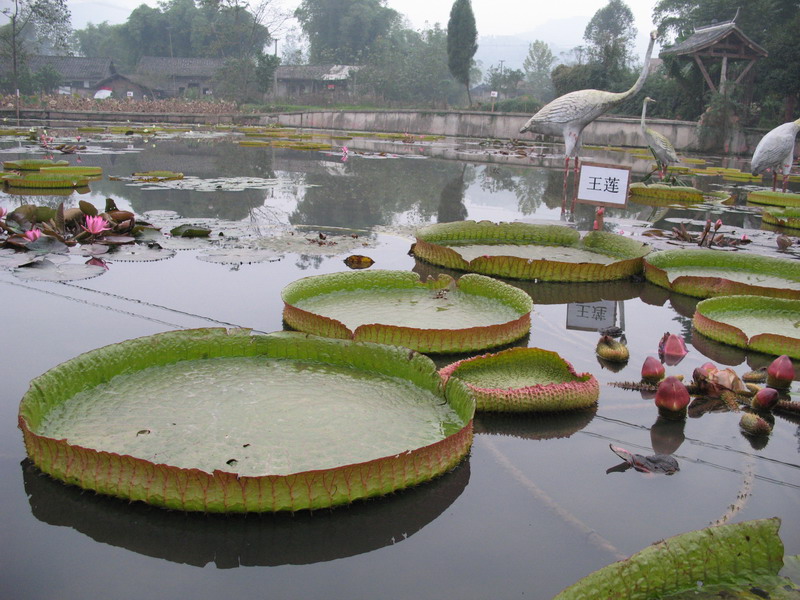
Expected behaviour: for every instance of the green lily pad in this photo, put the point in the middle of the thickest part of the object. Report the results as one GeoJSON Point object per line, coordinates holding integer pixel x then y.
{"type": "Point", "coordinates": [526, 251]}
{"type": "Point", "coordinates": [46, 270]}
{"type": "Point", "coordinates": [32, 164]}
{"type": "Point", "coordinates": [41, 180]}
{"type": "Point", "coordinates": [238, 256]}
{"type": "Point", "coordinates": [670, 193]}
{"type": "Point", "coordinates": [525, 380]}
{"type": "Point", "coordinates": [705, 273]}
{"type": "Point", "coordinates": [768, 325]}
{"type": "Point", "coordinates": [782, 217]}
{"type": "Point", "coordinates": [395, 307]}
{"type": "Point", "coordinates": [733, 557]}
{"type": "Point", "coordinates": [190, 231]}
{"type": "Point", "coordinates": [140, 253]}
{"type": "Point", "coordinates": [306, 422]}
{"type": "Point", "coordinates": [774, 198]}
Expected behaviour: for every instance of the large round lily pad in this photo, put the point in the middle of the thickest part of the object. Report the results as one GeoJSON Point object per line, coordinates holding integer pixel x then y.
{"type": "Point", "coordinates": [530, 251]}
{"type": "Point", "coordinates": [705, 273]}
{"type": "Point", "coordinates": [773, 198]}
{"type": "Point", "coordinates": [524, 380]}
{"type": "Point", "coordinates": [782, 217]}
{"type": "Point", "coordinates": [769, 325]}
{"type": "Point", "coordinates": [394, 307]}
{"type": "Point", "coordinates": [224, 421]}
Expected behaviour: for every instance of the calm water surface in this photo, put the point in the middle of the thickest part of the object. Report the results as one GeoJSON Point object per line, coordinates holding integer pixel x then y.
{"type": "Point", "coordinates": [531, 510]}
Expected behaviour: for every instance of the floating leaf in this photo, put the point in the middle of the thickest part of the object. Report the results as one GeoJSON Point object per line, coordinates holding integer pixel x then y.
{"type": "Point", "coordinates": [234, 256]}
{"type": "Point", "coordinates": [190, 231]}
{"type": "Point", "coordinates": [87, 208]}
{"type": "Point", "coordinates": [139, 253]}
{"type": "Point", "coordinates": [357, 261]}
{"type": "Point", "coordinates": [46, 270]}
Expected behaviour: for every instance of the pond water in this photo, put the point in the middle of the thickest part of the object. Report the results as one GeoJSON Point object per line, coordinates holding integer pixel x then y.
{"type": "Point", "coordinates": [531, 510]}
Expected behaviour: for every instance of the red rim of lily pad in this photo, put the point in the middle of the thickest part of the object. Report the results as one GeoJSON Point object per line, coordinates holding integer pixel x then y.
{"type": "Point", "coordinates": [192, 489]}
{"type": "Point", "coordinates": [433, 245]}
{"type": "Point", "coordinates": [709, 320]}
{"type": "Point", "coordinates": [656, 265]}
{"type": "Point", "coordinates": [566, 389]}
{"type": "Point", "coordinates": [420, 339]}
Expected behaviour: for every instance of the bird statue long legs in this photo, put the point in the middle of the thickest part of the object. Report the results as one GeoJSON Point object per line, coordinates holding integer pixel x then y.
{"type": "Point", "coordinates": [775, 152]}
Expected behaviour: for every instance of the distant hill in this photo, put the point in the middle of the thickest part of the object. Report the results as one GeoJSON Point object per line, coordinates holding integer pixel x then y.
{"type": "Point", "coordinates": [561, 34]}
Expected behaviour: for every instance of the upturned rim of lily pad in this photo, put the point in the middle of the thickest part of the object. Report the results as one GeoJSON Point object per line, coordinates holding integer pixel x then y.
{"type": "Point", "coordinates": [657, 263]}
{"type": "Point", "coordinates": [432, 245]}
{"type": "Point", "coordinates": [661, 194]}
{"type": "Point", "coordinates": [193, 489]}
{"type": "Point", "coordinates": [568, 391]}
{"type": "Point", "coordinates": [775, 198]}
{"type": "Point", "coordinates": [733, 556]}
{"type": "Point", "coordinates": [420, 339]}
{"type": "Point", "coordinates": [782, 217]}
{"type": "Point", "coordinates": [709, 320]}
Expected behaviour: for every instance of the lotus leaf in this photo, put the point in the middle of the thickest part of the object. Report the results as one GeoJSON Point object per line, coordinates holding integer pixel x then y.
{"type": "Point", "coordinates": [42, 180]}
{"type": "Point", "coordinates": [705, 273]}
{"type": "Point", "coordinates": [774, 198]}
{"type": "Point", "coordinates": [33, 164]}
{"type": "Point", "coordinates": [782, 217]}
{"type": "Point", "coordinates": [734, 557]}
{"type": "Point", "coordinates": [119, 455]}
{"type": "Point", "coordinates": [674, 193]}
{"type": "Point", "coordinates": [395, 307]}
{"type": "Point", "coordinates": [46, 270]}
{"type": "Point", "coordinates": [526, 251]}
{"type": "Point", "coordinates": [768, 325]}
{"type": "Point", "coordinates": [525, 380]}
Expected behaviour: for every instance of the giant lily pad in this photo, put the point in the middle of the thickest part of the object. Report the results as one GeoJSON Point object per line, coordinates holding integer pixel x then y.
{"type": "Point", "coordinates": [42, 180]}
{"type": "Point", "coordinates": [33, 164]}
{"type": "Point", "coordinates": [774, 198]}
{"type": "Point", "coordinates": [782, 217]}
{"type": "Point", "coordinates": [524, 380]}
{"type": "Point", "coordinates": [724, 558]}
{"type": "Point", "coordinates": [395, 307]}
{"type": "Point", "coordinates": [224, 421]}
{"type": "Point", "coordinates": [769, 325]}
{"type": "Point", "coordinates": [527, 251]}
{"type": "Point", "coordinates": [706, 273]}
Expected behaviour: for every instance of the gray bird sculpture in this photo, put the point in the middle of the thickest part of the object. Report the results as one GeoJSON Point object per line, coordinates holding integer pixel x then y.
{"type": "Point", "coordinates": [775, 152]}
{"type": "Point", "coordinates": [662, 149]}
{"type": "Point", "coordinates": [569, 114]}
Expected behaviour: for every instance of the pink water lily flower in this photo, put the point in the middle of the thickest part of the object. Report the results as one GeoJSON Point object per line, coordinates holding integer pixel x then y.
{"type": "Point", "coordinates": [3, 212]}
{"type": "Point", "coordinates": [96, 225]}
{"type": "Point", "coordinates": [32, 235]}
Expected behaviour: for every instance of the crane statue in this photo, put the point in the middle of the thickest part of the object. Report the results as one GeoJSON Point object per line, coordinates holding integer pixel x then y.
{"type": "Point", "coordinates": [662, 149]}
{"type": "Point", "coordinates": [569, 114]}
{"type": "Point", "coordinates": [775, 152]}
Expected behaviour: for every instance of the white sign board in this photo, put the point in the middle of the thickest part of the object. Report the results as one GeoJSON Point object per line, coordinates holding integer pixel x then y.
{"type": "Point", "coordinates": [493, 94]}
{"type": "Point", "coordinates": [604, 185]}
{"type": "Point", "coordinates": [591, 316]}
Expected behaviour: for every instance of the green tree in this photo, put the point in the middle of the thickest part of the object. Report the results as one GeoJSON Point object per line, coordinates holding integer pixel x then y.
{"type": "Point", "coordinates": [462, 42]}
{"type": "Point", "coordinates": [31, 25]}
{"type": "Point", "coordinates": [504, 81]}
{"type": "Point", "coordinates": [538, 65]}
{"type": "Point", "coordinates": [609, 39]}
{"type": "Point", "coordinates": [344, 31]}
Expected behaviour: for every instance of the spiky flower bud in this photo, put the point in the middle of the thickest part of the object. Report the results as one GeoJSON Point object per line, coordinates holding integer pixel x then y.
{"type": "Point", "coordinates": [672, 397]}
{"type": "Point", "coordinates": [780, 373]}
{"type": "Point", "coordinates": [752, 424]}
{"type": "Point", "coordinates": [652, 370]}
{"type": "Point", "coordinates": [765, 399]}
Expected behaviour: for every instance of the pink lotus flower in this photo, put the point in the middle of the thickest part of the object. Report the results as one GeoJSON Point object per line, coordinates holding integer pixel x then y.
{"type": "Point", "coordinates": [652, 370]}
{"type": "Point", "coordinates": [32, 235]}
{"type": "Point", "coordinates": [780, 372]}
{"type": "Point", "coordinates": [96, 225]}
{"type": "Point", "coordinates": [672, 396]}
{"type": "Point", "coordinates": [672, 349]}
{"type": "Point", "coordinates": [3, 212]}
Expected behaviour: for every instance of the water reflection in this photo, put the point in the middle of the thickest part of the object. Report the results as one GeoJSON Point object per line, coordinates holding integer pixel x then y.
{"type": "Point", "coordinates": [231, 541]}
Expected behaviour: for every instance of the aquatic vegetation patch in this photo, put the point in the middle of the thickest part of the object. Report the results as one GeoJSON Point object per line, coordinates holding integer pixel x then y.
{"type": "Point", "coordinates": [661, 191]}
{"type": "Point", "coordinates": [291, 441]}
{"type": "Point", "coordinates": [525, 380]}
{"type": "Point", "coordinates": [774, 198]}
{"type": "Point", "coordinates": [32, 164]}
{"type": "Point", "coordinates": [48, 270]}
{"type": "Point", "coordinates": [43, 180]}
{"type": "Point", "coordinates": [395, 307]}
{"type": "Point", "coordinates": [526, 251]}
{"type": "Point", "coordinates": [768, 325]}
{"type": "Point", "coordinates": [722, 559]}
{"type": "Point", "coordinates": [704, 273]}
{"type": "Point", "coordinates": [786, 217]}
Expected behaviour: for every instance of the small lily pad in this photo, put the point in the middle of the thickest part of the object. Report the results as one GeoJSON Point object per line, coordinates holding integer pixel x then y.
{"type": "Point", "coordinates": [525, 380]}
{"type": "Point", "coordinates": [238, 256]}
{"type": "Point", "coordinates": [140, 253]}
{"type": "Point", "coordinates": [190, 231]}
{"type": "Point", "coordinates": [46, 270]}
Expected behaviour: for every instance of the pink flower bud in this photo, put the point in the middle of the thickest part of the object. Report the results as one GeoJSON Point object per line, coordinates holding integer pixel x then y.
{"type": "Point", "coordinates": [765, 399]}
{"type": "Point", "coordinates": [652, 370]}
{"type": "Point", "coordinates": [780, 373]}
{"type": "Point", "coordinates": [672, 396]}
{"type": "Point", "coordinates": [672, 349]}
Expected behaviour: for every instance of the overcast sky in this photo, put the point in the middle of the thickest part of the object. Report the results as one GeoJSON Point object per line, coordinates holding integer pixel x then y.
{"type": "Point", "coordinates": [493, 17]}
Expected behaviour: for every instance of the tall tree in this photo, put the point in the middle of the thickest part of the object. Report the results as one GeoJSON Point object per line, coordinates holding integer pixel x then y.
{"type": "Point", "coordinates": [462, 42]}
{"type": "Point", "coordinates": [31, 25]}
{"type": "Point", "coordinates": [609, 37]}
{"type": "Point", "coordinates": [538, 65]}
{"type": "Point", "coordinates": [344, 31]}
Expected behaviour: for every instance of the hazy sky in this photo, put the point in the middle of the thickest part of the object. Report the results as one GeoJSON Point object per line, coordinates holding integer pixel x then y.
{"type": "Point", "coordinates": [493, 17]}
